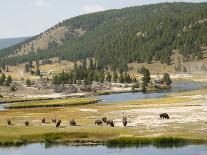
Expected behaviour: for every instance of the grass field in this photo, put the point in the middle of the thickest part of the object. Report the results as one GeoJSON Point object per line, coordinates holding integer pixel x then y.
{"type": "Point", "coordinates": [52, 103]}
{"type": "Point", "coordinates": [144, 112]}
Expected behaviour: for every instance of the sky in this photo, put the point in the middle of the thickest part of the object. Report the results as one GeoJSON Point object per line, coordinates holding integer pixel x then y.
{"type": "Point", "coordinates": [30, 17]}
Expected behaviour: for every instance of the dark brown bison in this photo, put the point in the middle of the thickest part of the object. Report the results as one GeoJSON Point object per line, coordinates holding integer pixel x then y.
{"type": "Point", "coordinates": [26, 123]}
{"type": "Point", "coordinates": [110, 122]}
{"type": "Point", "coordinates": [58, 124]}
{"type": "Point", "coordinates": [164, 116]}
{"type": "Point", "coordinates": [104, 119]}
{"type": "Point", "coordinates": [124, 121]}
{"type": "Point", "coordinates": [98, 122]}
{"type": "Point", "coordinates": [72, 122]}
{"type": "Point", "coordinates": [54, 121]}
{"type": "Point", "coordinates": [9, 122]}
{"type": "Point", "coordinates": [43, 120]}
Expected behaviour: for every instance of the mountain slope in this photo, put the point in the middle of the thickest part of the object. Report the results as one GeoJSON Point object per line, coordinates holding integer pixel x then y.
{"type": "Point", "coordinates": [118, 37]}
{"type": "Point", "coordinates": [4, 43]}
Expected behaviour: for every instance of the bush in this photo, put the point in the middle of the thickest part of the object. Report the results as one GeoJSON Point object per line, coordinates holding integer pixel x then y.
{"type": "Point", "coordinates": [1, 96]}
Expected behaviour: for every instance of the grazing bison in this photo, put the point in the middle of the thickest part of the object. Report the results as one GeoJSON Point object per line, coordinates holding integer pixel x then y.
{"type": "Point", "coordinates": [104, 119]}
{"type": "Point", "coordinates": [124, 121]}
{"type": "Point", "coordinates": [26, 123]}
{"type": "Point", "coordinates": [72, 122]}
{"type": "Point", "coordinates": [164, 116]}
{"type": "Point", "coordinates": [54, 121]}
{"type": "Point", "coordinates": [98, 122]}
{"type": "Point", "coordinates": [43, 120]}
{"type": "Point", "coordinates": [58, 123]}
{"type": "Point", "coordinates": [9, 122]}
{"type": "Point", "coordinates": [110, 122]}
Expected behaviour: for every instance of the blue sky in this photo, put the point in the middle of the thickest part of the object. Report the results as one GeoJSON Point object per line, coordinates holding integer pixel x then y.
{"type": "Point", "coordinates": [30, 17]}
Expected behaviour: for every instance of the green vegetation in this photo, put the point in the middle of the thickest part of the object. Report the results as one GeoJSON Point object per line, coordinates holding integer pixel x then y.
{"type": "Point", "coordinates": [5, 80]}
{"type": "Point", "coordinates": [89, 73]}
{"type": "Point", "coordinates": [166, 79]}
{"type": "Point", "coordinates": [52, 103]}
{"type": "Point", "coordinates": [155, 141]}
{"type": "Point", "coordinates": [135, 34]}
{"type": "Point", "coordinates": [28, 83]}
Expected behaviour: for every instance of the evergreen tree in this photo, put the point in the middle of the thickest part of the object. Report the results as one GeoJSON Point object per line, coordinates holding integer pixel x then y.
{"type": "Point", "coordinates": [28, 83]}
{"type": "Point", "coordinates": [2, 79]}
{"type": "Point", "coordinates": [108, 77]}
{"type": "Point", "coordinates": [37, 67]}
{"type": "Point", "coordinates": [146, 77]}
{"type": "Point", "coordinates": [115, 76]}
{"type": "Point", "coordinates": [101, 76]}
{"type": "Point", "coordinates": [121, 78]}
{"type": "Point", "coordinates": [166, 79]}
{"type": "Point", "coordinates": [8, 80]}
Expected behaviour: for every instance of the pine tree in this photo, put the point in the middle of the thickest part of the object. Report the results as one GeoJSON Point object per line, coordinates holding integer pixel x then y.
{"type": "Point", "coordinates": [115, 76]}
{"type": "Point", "coordinates": [8, 80]}
{"type": "Point", "coordinates": [108, 77]}
{"type": "Point", "coordinates": [2, 79]}
{"type": "Point", "coordinates": [166, 79]}
{"type": "Point", "coordinates": [28, 83]}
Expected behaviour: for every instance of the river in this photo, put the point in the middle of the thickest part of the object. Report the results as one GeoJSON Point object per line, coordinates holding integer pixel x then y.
{"type": "Point", "coordinates": [176, 87]}
{"type": "Point", "coordinates": [40, 149]}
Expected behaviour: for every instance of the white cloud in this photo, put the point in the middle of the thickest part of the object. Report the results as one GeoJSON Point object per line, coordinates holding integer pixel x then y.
{"type": "Point", "coordinates": [93, 8]}
{"type": "Point", "coordinates": [41, 3]}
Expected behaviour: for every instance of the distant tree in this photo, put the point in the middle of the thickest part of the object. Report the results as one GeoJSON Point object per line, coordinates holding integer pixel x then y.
{"type": "Point", "coordinates": [28, 83]}
{"type": "Point", "coordinates": [115, 76]}
{"type": "Point", "coordinates": [166, 79]}
{"type": "Point", "coordinates": [146, 78]}
{"type": "Point", "coordinates": [37, 67]}
{"type": "Point", "coordinates": [101, 76]}
{"type": "Point", "coordinates": [2, 79]}
{"type": "Point", "coordinates": [8, 80]}
{"type": "Point", "coordinates": [121, 77]}
{"type": "Point", "coordinates": [108, 77]}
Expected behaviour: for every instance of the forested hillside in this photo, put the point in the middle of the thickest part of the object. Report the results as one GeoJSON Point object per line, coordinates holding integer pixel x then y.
{"type": "Point", "coordinates": [118, 37]}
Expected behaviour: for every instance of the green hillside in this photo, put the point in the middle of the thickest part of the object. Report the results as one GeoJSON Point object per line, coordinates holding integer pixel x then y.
{"type": "Point", "coordinates": [136, 34]}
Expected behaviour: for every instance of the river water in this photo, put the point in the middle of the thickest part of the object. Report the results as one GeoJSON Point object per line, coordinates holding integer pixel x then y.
{"type": "Point", "coordinates": [40, 149]}
{"type": "Point", "coordinates": [176, 87]}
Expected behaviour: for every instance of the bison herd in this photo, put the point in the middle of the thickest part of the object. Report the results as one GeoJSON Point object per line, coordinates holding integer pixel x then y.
{"type": "Point", "coordinates": [98, 122]}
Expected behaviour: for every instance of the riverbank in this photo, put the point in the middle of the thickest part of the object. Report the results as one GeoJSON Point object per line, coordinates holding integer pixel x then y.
{"type": "Point", "coordinates": [83, 139]}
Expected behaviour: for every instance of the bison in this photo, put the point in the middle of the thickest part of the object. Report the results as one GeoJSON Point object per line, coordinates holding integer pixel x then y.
{"type": "Point", "coordinates": [98, 122]}
{"type": "Point", "coordinates": [43, 120]}
{"type": "Point", "coordinates": [110, 122]}
{"type": "Point", "coordinates": [9, 122]}
{"type": "Point", "coordinates": [72, 122]}
{"type": "Point", "coordinates": [124, 121]}
{"type": "Point", "coordinates": [26, 123]}
{"type": "Point", "coordinates": [164, 116]}
{"type": "Point", "coordinates": [58, 123]}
